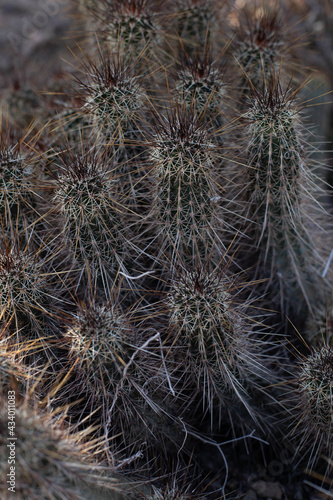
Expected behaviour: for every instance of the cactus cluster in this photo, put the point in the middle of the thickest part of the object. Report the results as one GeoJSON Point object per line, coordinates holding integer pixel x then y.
{"type": "Point", "coordinates": [163, 252]}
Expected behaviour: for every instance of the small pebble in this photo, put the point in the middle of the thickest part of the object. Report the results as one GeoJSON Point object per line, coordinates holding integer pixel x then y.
{"type": "Point", "coordinates": [250, 495]}
{"type": "Point", "coordinates": [268, 490]}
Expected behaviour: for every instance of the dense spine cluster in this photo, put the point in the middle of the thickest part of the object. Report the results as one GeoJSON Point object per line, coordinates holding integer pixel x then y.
{"type": "Point", "coordinates": [185, 190]}
{"type": "Point", "coordinates": [222, 350]}
{"type": "Point", "coordinates": [161, 241]}
{"type": "Point", "coordinates": [314, 404]}
{"type": "Point", "coordinates": [278, 196]}
{"type": "Point", "coordinates": [89, 199]}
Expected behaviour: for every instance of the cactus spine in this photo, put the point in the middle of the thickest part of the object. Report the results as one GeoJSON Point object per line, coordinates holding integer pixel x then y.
{"type": "Point", "coordinates": [279, 193]}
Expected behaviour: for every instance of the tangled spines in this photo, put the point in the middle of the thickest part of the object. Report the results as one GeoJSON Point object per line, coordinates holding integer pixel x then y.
{"type": "Point", "coordinates": [223, 354]}
{"type": "Point", "coordinates": [315, 388]}
{"type": "Point", "coordinates": [22, 282]}
{"type": "Point", "coordinates": [183, 160]}
{"type": "Point", "coordinates": [49, 461]}
{"type": "Point", "coordinates": [99, 345]}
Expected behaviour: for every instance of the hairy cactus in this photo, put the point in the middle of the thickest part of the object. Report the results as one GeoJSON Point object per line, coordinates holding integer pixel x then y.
{"type": "Point", "coordinates": [49, 462]}
{"type": "Point", "coordinates": [24, 286]}
{"type": "Point", "coordinates": [314, 404]}
{"type": "Point", "coordinates": [223, 353]}
{"type": "Point", "coordinates": [87, 194]}
{"type": "Point", "coordinates": [185, 187]}
{"type": "Point", "coordinates": [278, 194]}
{"type": "Point", "coordinates": [193, 20]}
{"type": "Point", "coordinates": [22, 103]}
{"type": "Point", "coordinates": [113, 96]}
{"type": "Point", "coordinates": [171, 162]}
{"type": "Point", "coordinates": [119, 374]}
{"type": "Point", "coordinates": [201, 85]}
{"type": "Point", "coordinates": [261, 46]}
{"type": "Point", "coordinates": [100, 344]}
{"type": "Point", "coordinates": [17, 188]}
{"type": "Point", "coordinates": [128, 26]}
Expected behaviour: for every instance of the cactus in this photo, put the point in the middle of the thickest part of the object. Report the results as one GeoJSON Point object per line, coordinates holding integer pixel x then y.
{"type": "Point", "coordinates": [23, 286]}
{"type": "Point", "coordinates": [129, 26]}
{"type": "Point", "coordinates": [201, 85]}
{"type": "Point", "coordinates": [100, 344]}
{"type": "Point", "coordinates": [185, 187]}
{"type": "Point", "coordinates": [262, 47]}
{"type": "Point", "coordinates": [278, 196]}
{"type": "Point", "coordinates": [193, 20]}
{"type": "Point", "coordinates": [222, 350]}
{"type": "Point", "coordinates": [161, 177]}
{"type": "Point", "coordinates": [314, 404]}
{"type": "Point", "coordinates": [17, 189]}
{"type": "Point", "coordinates": [49, 462]}
{"type": "Point", "coordinates": [22, 104]}
{"type": "Point", "coordinates": [122, 388]}
{"type": "Point", "coordinates": [113, 96]}
{"type": "Point", "coordinates": [87, 194]}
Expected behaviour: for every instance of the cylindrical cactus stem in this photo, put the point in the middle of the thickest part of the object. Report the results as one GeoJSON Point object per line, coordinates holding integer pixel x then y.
{"type": "Point", "coordinates": [278, 190]}
{"type": "Point", "coordinates": [50, 462]}
{"type": "Point", "coordinates": [18, 173]}
{"type": "Point", "coordinates": [119, 373]}
{"type": "Point", "coordinates": [128, 26]}
{"type": "Point", "coordinates": [319, 328]}
{"type": "Point", "coordinates": [22, 104]}
{"type": "Point", "coordinates": [223, 353]}
{"type": "Point", "coordinates": [113, 95]}
{"type": "Point", "coordinates": [101, 341]}
{"type": "Point", "coordinates": [114, 98]}
{"type": "Point", "coordinates": [186, 192]}
{"type": "Point", "coordinates": [193, 20]}
{"type": "Point", "coordinates": [312, 405]}
{"type": "Point", "coordinates": [262, 46]}
{"type": "Point", "coordinates": [201, 85]}
{"type": "Point", "coordinates": [89, 199]}
{"type": "Point", "coordinates": [25, 288]}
